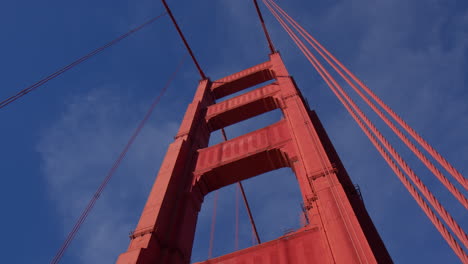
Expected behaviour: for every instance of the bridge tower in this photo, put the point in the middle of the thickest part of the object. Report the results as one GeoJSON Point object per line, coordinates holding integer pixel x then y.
{"type": "Point", "coordinates": [339, 229]}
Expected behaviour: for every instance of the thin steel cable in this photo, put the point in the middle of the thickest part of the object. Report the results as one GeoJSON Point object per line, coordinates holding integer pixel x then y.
{"type": "Point", "coordinates": [236, 238]}
{"type": "Point", "coordinates": [425, 191]}
{"type": "Point", "coordinates": [438, 157]}
{"type": "Point", "coordinates": [112, 170]}
{"type": "Point", "coordinates": [249, 212]}
{"type": "Point", "coordinates": [434, 219]}
{"type": "Point", "coordinates": [41, 82]}
{"type": "Point", "coordinates": [213, 224]}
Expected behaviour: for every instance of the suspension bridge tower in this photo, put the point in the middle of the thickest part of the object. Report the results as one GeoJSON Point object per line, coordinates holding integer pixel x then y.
{"type": "Point", "coordinates": [338, 228]}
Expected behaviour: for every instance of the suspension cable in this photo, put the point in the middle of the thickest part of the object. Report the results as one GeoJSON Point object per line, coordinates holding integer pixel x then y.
{"type": "Point", "coordinates": [452, 242]}
{"type": "Point", "coordinates": [439, 158]}
{"type": "Point", "coordinates": [259, 13]}
{"type": "Point", "coordinates": [41, 82]}
{"type": "Point", "coordinates": [114, 167]}
{"type": "Point", "coordinates": [452, 189]}
{"type": "Point", "coordinates": [202, 74]}
{"type": "Point", "coordinates": [425, 191]}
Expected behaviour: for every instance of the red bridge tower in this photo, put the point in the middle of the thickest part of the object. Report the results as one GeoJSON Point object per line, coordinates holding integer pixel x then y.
{"type": "Point", "coordinates": [339, 228]}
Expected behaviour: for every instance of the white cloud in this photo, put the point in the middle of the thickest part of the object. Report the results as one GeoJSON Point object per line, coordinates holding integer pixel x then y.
{"type": "Point", "coordinates": [77, 152]}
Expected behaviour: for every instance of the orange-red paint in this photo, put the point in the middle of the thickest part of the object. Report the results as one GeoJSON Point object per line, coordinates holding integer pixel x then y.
{"type": "Point", "coordinates": [339, 228]}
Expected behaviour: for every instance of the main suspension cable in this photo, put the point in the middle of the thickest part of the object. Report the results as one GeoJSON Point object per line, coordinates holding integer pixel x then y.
{"type": "Point", "coordinates": [41, 82]}
{"type": "Point", "coordinates": [451, 241]}
{"type": "Point", "coordinates": [114, 167]}
{"type": "Point", "coordinates": [452, 189]}
{"type": "Point", "coordinates": [267, 35]}
{"type": "Point", "coordinates": [419, 184]}
{"type": "Point", "coordinates": [439, 158]}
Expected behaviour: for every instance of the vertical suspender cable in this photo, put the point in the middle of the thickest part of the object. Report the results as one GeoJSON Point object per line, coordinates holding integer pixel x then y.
{"type": "Point", "coordinates": [451, 241]}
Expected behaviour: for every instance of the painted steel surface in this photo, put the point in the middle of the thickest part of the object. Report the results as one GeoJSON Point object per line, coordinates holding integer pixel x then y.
{"type": "Point", "coordinates": [339, 228]}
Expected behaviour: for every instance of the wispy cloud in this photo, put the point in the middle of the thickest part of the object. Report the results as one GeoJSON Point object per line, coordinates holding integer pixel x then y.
{"type": "Point", "coordinates": [78, 150]}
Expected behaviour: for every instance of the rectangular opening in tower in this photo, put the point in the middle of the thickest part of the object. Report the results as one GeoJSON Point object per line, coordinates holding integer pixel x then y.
{"type": "Point", "coordinates": [246, 90]}
{"type": "Point", "coordinates": [273, 195]}
{"type": "Point", "coordinates": [246, 126]}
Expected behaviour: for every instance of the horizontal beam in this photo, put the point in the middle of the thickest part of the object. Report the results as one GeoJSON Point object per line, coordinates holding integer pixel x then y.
{"type": "Point", "coordinates": [241, 80]}
{"type": "Point", "coordinates": [242, 107]}
{"type": "Point", "coordinates": [243, 157]}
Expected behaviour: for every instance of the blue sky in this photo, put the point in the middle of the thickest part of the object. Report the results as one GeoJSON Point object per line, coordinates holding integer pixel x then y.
{"type": "Point", "coordinates": [58, 142]}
